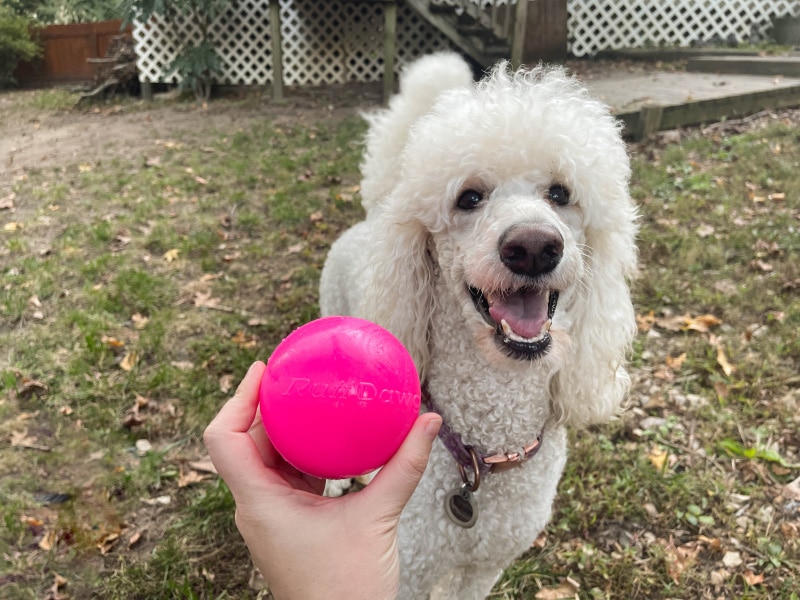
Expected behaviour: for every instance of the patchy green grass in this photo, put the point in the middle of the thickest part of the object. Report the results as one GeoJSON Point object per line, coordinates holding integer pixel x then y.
{"type": "Point", "coordinates": [136, 291]}
{"type": "Point", "coordinates": [135, 294]}
{"type": "Point", "coordinates": [687, 496]}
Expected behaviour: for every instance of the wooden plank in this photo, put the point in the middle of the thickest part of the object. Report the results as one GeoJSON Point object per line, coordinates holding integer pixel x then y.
{"type": "Point", "coordinates": [703, 111]}
{"type": "Point", "coordinates": [788, 66]}
{"type": "Point", "coordinates": [639, 123]}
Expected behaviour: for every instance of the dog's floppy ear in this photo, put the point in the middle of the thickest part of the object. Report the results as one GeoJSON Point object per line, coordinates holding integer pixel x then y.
{"type": "Point", "coordinates": [593, 383]}
{"type": "Point", "coordinates": [400, 296]}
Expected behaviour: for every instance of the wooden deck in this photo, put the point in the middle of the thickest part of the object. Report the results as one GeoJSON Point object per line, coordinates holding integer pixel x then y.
{"type": "Point", "coordinates": [647, 102]}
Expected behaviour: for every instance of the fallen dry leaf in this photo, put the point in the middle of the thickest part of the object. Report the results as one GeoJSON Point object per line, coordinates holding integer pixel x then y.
{"type": "Point", "coordinates": [713, 543]}
{"type": "Point", "coordinates": [676, 363]}
{"type": "Point", "coordinates": [673, 323]}
{"type": "Point", "coordinates": [190, 478]}
{"type": "Point", "coordinates": [135, 538]}
{"type": "Point", "coordinates": [722, 360]}
{"type": "Point", "coordinates": [791, 491]}
{"type": "Point", "coordinates": [658, 457]}
{"type": "Point", "coordinates": [226, 383]}
{"type": "Point", "coordinates": [204, 465]}
{"type": "Point", "coordinates": [48, 541]}
{"type": "Point", "coordinates": [790, 530]}
{"type": "Point", "coordinates": [21, 439]}
{"type": "Point", "coordinates": [139, 321]}
{"type": "Point", "coordinates": [12, 226]}
{"type": "Point", "coordinates": [752, 578]}
{"type": "Point", "coordinates": [182, 364]}
{"type": "Point", "coordinates": [243, 340]}
{"type": "Point", "coordinates": [645, 322]}
{"type": "Point", "coordinates": [703, 323]}
{"type": "Point", "coordinates": [704, 230]}
{"type": "Point", "coordinates": [158, 501]}
{"type": "Point", "coordinates": [7, 203]}
{"type": "Point", "coordinates": [171, 255]}
{"type": "Point", "coordinates": [112, 342]}
{"type": "Point", "coordinates": [128, 361]}
{"type": "Point", "coordinates": [679, 559]}
{"type": "Point", "coordinates": [107, 542]}
{"type": "Point", "coordinates": [721, 389]}
{"type": "Point", "coordinates": [30, 387]}
{"type": "Point", "coordinates": [760, 265]}
{"type": "Point", "coordinates": [566, 589]}
{"type": "Point", "coordinates": [31, 521]}
{"type": "Point", "coordinates": [204, 299]}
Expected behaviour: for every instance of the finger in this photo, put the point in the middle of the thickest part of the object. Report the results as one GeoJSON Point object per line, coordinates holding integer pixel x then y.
{"type": "Point", "coordinates": [230, 446]}
{"type": "Point", "coordinates": [398, 479]}
{"type": "Point", "coordinates": [238, 413]}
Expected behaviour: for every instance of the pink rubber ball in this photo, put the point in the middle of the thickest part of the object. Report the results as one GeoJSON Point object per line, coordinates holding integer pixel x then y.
{"type": "Point", "coordinates": [339, 396]}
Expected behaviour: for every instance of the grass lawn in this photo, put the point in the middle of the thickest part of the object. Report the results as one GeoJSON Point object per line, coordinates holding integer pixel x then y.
{"type": "Point", "coordinates": [136, 290]}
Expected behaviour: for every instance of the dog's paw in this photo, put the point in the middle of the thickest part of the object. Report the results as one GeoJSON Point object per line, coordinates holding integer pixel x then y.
{"type": "Point", "coordinates": [337, 487]}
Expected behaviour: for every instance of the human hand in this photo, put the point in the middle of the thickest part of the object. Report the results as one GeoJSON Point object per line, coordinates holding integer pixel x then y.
{"type": "Point", "coordinates": [308, 546]}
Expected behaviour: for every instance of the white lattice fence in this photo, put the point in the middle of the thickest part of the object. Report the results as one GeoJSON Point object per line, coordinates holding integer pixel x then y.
{"type": "Point", "coordinates": [335, 42]}
{"type": "Point", "coordinates": [596, 25]}
{"type": "Point", "coordinates": [323, 42]}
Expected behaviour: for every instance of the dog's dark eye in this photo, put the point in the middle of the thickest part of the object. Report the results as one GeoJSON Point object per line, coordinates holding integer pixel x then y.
{"type": "Point", "coordinates": [558, 194]}
{"type": "Point", "coordinates": [469, 200]}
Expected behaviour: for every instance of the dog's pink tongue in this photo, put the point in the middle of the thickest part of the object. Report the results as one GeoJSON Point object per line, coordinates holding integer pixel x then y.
{"type": "Point", "coordinates": [524, 311]}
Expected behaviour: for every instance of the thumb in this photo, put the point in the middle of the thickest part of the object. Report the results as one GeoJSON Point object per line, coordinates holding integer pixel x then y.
{"type": "Point", "coordinates": [398, 479]}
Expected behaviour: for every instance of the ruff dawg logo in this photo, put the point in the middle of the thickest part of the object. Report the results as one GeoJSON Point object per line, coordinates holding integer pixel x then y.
{"type": "Point", "coordinates": [363, 391]}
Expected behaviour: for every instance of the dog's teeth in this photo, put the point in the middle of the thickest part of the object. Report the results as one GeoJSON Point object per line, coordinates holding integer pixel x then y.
{"type": "Point", "coordinates": [507, 331]}
{"type": "Point", "coordinates": [511, 335]}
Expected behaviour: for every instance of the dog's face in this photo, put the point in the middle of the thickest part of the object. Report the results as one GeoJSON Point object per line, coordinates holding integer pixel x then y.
{"type": "Point", "coordinates": [510, 192]}
{"type": "Point", "coordinates": [511, 255]}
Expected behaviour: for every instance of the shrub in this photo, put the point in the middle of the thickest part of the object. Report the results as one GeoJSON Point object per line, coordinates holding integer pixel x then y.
{"type": "Point", "coordinates": [15, 43]}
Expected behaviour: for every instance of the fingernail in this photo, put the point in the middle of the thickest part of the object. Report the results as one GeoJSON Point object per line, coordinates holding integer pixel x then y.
{"type": "Point", "coordinates": [432, 428]}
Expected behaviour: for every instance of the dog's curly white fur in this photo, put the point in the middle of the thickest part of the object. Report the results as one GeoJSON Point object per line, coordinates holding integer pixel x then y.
{"type": "Point", "coordinates": [486, 202]}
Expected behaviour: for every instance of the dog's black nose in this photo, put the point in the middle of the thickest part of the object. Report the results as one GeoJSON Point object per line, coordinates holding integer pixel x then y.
{"type": "Point", "coordinates": [531, 249]}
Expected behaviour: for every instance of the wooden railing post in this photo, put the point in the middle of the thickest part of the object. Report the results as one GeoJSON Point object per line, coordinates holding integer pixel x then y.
{"type": "Point", "coordinates": [389, 43]}
{"type": "Point", "coordinates": [519, 34]}
{"type": "Point", "coordinates": [277, 51]}
{"type": "Point", "coordinates": [540, 32]}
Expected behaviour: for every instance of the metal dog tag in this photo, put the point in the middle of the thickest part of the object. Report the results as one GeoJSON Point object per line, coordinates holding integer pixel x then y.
{"type": "Point", "coordinates": [461, 507]}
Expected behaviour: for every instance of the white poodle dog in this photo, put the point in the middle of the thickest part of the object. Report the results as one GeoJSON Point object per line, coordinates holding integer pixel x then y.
{"type": "Point", "coordinates": [498, 239]}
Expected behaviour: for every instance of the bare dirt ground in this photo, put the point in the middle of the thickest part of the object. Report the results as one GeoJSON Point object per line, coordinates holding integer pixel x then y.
{"type": "Point", "coordinates": [31, 138]}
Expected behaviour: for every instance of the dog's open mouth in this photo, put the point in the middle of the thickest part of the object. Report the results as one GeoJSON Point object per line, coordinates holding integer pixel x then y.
{"type": "Point", "coordinates": [521, 319]}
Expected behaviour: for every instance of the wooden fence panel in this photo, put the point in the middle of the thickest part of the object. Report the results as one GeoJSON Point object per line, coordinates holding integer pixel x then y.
{"type": "Point", "coordinates": [65, 50]}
